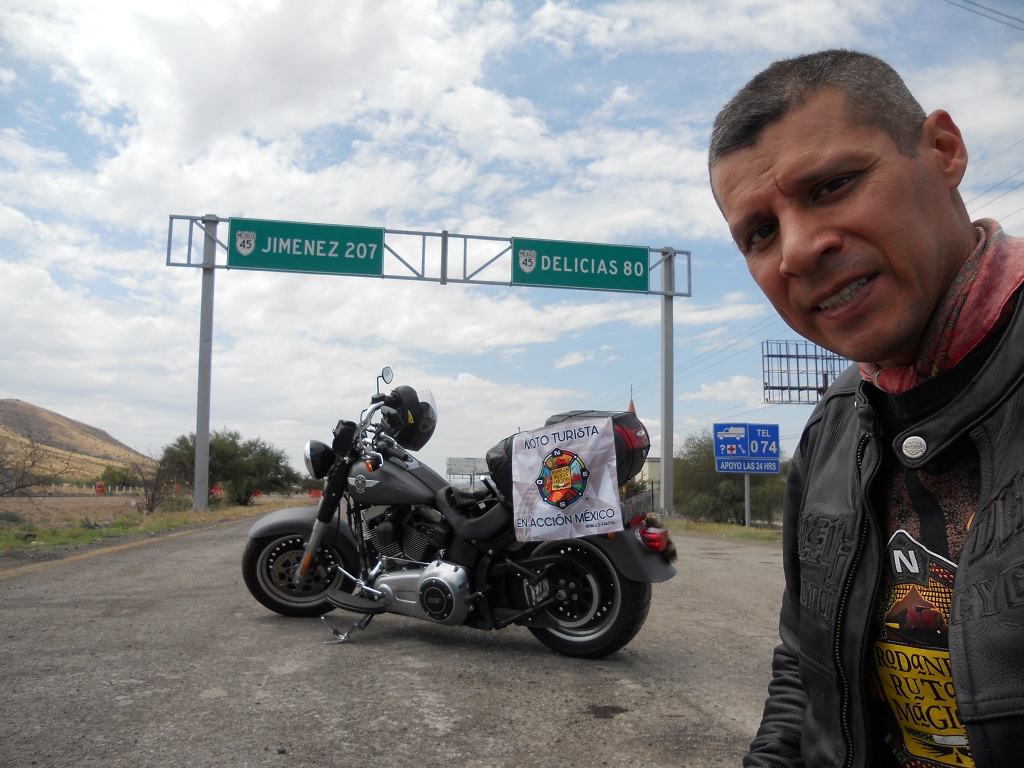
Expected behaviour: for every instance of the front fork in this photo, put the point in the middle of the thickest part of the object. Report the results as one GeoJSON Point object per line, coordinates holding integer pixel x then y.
{"type": "Point", "coordinates": [311, 549]}
{"type": "Point", "coordinates": [334, 488]}
{"type": "Point", "coordinates": [328, 508]}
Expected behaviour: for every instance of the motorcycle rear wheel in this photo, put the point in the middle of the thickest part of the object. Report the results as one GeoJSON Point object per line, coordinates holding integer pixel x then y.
{"type": "Point", "coordinates": [268, 568]}
{"type": "Point", "coordinates": [603, 609]}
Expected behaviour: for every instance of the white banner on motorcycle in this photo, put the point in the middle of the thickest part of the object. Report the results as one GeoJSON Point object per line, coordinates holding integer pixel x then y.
{"type": "Point", "coordinates": [564, 481]}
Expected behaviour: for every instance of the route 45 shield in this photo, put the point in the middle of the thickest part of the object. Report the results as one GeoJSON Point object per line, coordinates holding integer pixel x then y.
{"type": "Point", "coordinates": [245, 242]}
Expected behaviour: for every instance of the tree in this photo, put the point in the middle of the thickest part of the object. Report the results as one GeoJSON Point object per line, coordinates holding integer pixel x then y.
{"type": "Point", "coordinates": [115, 476]}
{"type": "Point", "coordinates": [150, 477]}
{"type": "Point", "coordinates": [701, 493]}
{"type": "Point", "coordinates": [634, 486]}
{"type": "Point", "coordinates": [23, 467]}
{"type": "Point", "coordinates": [636, 497]}
{"type": "Point", "coordinates": [240, 467]}
{"type": "Point", "coordinates": [179, 459]}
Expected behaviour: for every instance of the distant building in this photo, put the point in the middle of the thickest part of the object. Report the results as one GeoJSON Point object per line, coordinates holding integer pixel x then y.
{"type": "Point", "coordinates": [651, 472]}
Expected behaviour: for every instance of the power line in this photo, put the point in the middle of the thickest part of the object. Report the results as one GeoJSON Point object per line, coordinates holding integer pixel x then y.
{"type": "Point", "coordinates": [654, 383]}
{"type": "Point", "coordinates": [997, 184]}
{"type": "Point", "coordinates": [994, 186]}
{"type": "Point", "coordinates": [1007, 216]}
{"type": "Point", "coordinates": [732, 341]}
{"type": "Point", "coordinates": [1003, 151]}
{"type": "Point", "coordinates": [1014, 22]}
{"type": "Point", "coordinates": [710, 357]}
{"type": "Point", "coordinates": [993, 10]}
{"type": "Point", "coordinates": [976, 8]}
{"type": "Point", "coordinates": [1012, 189]}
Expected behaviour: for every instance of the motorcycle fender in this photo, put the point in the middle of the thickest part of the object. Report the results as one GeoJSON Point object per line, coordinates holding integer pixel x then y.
{"type": "Point", "coordinates": [300, 520]}
{"type": "Point", "coordinates": [632, 558]}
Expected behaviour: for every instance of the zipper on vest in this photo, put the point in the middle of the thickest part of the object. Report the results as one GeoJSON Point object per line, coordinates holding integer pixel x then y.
{"type": "Point", "coordinates": [841, 614]}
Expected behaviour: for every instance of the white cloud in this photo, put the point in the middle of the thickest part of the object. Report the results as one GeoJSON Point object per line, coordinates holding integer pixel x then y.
{"type": "Point", "coordinates": [573, 358]}
{"type": "Point", "coordinates": [669, 25]}
{"type": "Point", "coordinates": [742, 388]}
{"type": "Point", "coordinates": [581, 121]}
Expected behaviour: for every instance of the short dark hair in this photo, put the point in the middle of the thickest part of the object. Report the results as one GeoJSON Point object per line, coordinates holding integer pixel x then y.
{"type": "Point", "coordinates": [874, 93]}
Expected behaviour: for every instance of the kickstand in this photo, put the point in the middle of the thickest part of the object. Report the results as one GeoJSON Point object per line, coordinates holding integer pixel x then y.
{"type": "Point", "coordinates": [339, 636]}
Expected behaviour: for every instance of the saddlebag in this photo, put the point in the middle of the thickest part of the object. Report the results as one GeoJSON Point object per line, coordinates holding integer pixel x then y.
{"type": "Point", "coordinates": [499, 466]}
{"type": "Point", "coordinates": [632, 444]}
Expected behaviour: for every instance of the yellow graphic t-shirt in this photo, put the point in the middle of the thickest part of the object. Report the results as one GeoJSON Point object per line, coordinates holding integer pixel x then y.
{"type": "Point", "coordinates": [911, 659]}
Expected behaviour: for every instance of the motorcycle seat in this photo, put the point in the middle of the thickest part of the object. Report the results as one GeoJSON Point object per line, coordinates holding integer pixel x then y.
{"type": "Point", "coordinates": [464, 497]}
{"type": "Point", "coordinates": [489, 525]}
{"type": "Point", "coordinates": [480, 518]}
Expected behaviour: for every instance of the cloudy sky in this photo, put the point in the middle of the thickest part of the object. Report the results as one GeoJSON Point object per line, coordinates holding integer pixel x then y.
{"type": "Point", "coordinates": [561, 120]}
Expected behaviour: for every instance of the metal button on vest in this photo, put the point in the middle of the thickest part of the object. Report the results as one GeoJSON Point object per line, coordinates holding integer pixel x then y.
{"type": "Point", "coordinates": [914, 447]}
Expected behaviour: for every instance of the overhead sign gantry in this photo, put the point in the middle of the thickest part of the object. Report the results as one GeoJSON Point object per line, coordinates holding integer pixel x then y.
{"type": "Point", "coordinates": [292, 246]}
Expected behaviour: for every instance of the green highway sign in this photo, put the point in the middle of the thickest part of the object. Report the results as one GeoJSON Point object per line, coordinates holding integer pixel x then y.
{"type": "Point", "coordinates": [293, 246]}
{"type": "Point", "coordinates": [563, 264]}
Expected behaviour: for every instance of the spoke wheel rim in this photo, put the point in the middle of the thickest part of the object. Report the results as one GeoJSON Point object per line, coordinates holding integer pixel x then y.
{"type": "Point", "coordinates": [593, 591]}
{"type": "Point", "coordinates": [277, 565]}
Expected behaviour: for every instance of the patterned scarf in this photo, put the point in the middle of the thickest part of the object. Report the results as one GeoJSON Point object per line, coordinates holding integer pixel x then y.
{"type": "Point", "coordinates": [977, 304]}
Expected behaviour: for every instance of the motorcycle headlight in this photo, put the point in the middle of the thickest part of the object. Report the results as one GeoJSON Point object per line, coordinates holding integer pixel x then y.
{"type": "Point", "coordinates": [319, 458]}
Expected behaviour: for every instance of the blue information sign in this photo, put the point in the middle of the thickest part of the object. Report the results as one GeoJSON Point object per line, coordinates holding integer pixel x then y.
{"type": "Point", "coordinates": [746, 448]}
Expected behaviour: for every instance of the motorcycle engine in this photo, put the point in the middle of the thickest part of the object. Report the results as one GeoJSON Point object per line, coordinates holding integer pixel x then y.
{"type": "Point", "coordinates": [409, 533]}
{"type": "Point", "coordinates": [443, 592]}
{"type": "Point", "coordinates": [439, 592]}
{"type": "Point", "coordinates": [419, 584]}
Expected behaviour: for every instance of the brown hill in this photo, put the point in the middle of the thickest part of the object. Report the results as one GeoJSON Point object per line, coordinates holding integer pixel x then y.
{"type": "Point", "coordinates": [86, 449]}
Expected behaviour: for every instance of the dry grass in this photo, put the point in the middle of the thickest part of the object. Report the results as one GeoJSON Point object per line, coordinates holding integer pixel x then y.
{"type": "Point", "coordinates": [66, 511]}
{"type": "Point", "coordinates": [50, 527]}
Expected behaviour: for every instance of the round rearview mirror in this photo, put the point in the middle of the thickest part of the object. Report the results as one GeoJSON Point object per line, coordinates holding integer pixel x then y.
{"type": "Point", "coordinates": [387, 374]}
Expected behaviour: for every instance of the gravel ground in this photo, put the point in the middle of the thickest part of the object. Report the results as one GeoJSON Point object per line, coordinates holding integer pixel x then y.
{"type": "Point", "coordinates": [151, 653]}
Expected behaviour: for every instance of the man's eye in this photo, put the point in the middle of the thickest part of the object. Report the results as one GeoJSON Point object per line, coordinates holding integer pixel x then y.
{"type": "Point", "coordinates": [832, 185]}
{"type": "Point", "coordinates": [762, 232]}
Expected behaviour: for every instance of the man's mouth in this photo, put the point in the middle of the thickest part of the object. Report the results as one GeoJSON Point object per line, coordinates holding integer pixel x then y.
{"type": "Point", "coordinates": [844, 296]}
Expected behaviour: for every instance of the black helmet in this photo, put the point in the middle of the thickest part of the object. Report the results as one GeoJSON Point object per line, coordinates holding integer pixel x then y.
{"type": "Point", "coordinates": [408, 417]}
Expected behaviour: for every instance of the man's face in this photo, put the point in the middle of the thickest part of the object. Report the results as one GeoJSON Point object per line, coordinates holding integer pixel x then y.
{"type": "Point", "coordinates": [852, 242]}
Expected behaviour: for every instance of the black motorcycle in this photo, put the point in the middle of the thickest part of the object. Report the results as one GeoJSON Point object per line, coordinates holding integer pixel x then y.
{"type": "Point", "coordinates": [409, 543]}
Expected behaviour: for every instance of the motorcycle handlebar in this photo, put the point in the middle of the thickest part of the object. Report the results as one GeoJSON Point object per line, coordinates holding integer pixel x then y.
{"type": "Point", "coordinates": [389, 448]}
{"type": "Point", "coordinates": [368, 413]}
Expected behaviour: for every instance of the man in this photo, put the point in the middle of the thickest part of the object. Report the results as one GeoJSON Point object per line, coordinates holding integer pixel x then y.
{"type": "Point", "coordinates": [902, 622]}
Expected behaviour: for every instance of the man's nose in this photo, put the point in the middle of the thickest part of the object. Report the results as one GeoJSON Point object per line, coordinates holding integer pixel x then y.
{"type": "Point", "coordinates": [804, 239]}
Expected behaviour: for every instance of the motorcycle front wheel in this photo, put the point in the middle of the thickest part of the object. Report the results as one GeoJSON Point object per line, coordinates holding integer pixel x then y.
{"type": "Point", "coordinates": [269, 565]}
{"type": "Point", "coordinates": [602, 610]}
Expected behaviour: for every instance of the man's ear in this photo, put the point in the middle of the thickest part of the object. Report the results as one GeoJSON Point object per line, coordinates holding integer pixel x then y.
{"type": "Point", "coordinates": [941, 140]}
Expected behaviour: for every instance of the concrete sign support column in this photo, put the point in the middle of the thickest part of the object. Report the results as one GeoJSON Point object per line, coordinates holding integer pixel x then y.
{"type": "Point", "coordinates": [667, 397]}
{"type": "Point", "coordinates": [201, 487]}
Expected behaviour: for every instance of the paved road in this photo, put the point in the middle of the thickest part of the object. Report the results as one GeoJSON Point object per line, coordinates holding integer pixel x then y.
{"type": "Point", "coordinates": [155, 655]}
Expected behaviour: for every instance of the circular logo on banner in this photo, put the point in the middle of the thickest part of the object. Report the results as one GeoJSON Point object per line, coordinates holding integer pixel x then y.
{"type": "Point", "coordinates": [563, 478]}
